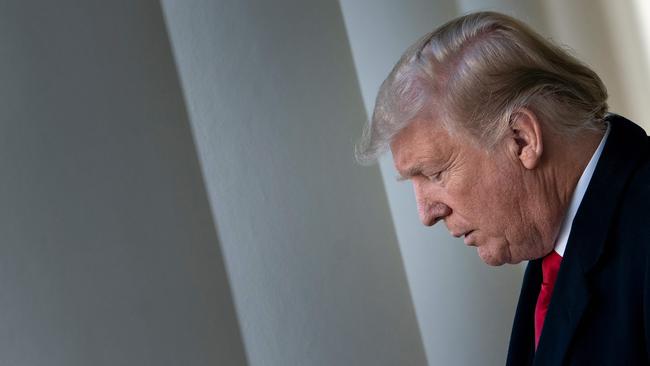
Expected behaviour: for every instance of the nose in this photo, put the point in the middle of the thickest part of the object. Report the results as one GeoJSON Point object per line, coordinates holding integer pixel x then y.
{"type": "Point", "coordinates": [430, 209]}
{"type": "Point", "coordinates": [432, 213]}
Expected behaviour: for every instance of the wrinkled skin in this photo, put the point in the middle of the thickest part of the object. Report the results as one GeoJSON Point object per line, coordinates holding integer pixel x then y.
{"type": "Point", "coordinates": [508, 201]}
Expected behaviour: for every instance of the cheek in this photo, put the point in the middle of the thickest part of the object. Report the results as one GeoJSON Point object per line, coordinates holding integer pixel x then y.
{"type": "Point", "coordinates": [498, 199]}
{"type": "Point", "coordinates": [480, 203]}
{"type": "Point", "coordinates": [485, 193]}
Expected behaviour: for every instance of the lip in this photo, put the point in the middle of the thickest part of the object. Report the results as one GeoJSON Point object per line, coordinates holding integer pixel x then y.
{"type": "Point", "coordinates": [458, 233]}
{"type": "Point", "coordinates": [468, 238]}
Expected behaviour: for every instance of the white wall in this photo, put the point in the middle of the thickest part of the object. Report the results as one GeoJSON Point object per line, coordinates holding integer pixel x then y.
{"type": "Point", "coordinates": [307, 235]}
{"type": "Point", "coordinates": [109, 254]}
{"type": "Point", "coordinates": [464, 308]}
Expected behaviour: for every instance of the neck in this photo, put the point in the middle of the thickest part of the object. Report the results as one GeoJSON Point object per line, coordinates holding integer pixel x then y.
{"type": "Point", "coordinates": [557, 179]}
{"type": "Point", "coordinates": [571, 160]}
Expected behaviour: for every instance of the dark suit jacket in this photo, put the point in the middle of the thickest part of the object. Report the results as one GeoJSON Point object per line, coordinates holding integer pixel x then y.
{"type": "Point", "coordinates": [600, 308]}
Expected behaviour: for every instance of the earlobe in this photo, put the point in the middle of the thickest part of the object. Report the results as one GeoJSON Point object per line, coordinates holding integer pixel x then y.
{"type": "Point", "coordinates": [527, 138]}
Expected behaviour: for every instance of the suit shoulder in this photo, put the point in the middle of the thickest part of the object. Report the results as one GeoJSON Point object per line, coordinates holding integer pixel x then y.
{"type": "Point", "coordinates": [634, 213]}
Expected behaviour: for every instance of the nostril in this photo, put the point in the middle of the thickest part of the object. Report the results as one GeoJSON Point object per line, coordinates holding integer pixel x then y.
{"type": "Point", "coordinates": [430, 214]}
{"type": "Point", "coordinates": [440, 211]}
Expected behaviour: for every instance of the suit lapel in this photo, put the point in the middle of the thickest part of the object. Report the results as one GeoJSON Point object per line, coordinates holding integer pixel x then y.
{"type": "Point", "coordinates": [571, 295]}
{"type": "Point", "coordinates": [570, 299]}
{"type": "Point", "coordinates": [522, 338]}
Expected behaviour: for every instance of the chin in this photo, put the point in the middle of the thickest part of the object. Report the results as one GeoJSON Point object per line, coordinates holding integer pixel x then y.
{"type": "Point", "coordinates": [494, 257]}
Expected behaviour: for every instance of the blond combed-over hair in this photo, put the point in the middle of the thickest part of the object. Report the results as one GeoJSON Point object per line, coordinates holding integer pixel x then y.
{"type": "Point", "coordinates": [474, 73]}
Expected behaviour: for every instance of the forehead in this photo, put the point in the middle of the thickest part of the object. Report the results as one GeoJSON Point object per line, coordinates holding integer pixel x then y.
{"type": "Point", "coordinates": [422, 140]}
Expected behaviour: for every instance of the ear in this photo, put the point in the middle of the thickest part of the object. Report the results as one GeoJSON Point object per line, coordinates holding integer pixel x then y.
{"type": "Point", "coordinates": [526, 138]}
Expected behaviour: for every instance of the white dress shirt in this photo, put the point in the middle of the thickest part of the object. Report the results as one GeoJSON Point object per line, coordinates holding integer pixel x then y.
{"type": "Point", "coordinates": [583, 183]}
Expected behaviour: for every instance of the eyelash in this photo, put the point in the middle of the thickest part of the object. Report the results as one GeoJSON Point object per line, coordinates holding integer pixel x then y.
{"type": "Point", "coordinates": [434, 177]}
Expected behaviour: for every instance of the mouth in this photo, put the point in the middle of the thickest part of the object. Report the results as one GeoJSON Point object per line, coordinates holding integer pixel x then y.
{"type": "Point", "coordinates": [458, 234]}
{"type": "Point", "coordinates": [469, 239]}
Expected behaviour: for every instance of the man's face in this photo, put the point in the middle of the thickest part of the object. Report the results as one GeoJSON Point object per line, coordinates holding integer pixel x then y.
{"type": "Point", "coordinates": [479, 194]}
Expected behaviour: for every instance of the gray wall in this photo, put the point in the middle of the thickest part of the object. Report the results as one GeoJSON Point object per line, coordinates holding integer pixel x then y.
{"type": "Point", "coordinates": [109, 254]}
{"type": "Point", "coordinates": [464, 308]}
{"type": "Point", "coordinates": [307, 235]}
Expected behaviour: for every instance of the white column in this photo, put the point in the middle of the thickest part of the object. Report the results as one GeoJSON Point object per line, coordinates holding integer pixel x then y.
{"type": "Point", "coordinates": [464, 308]}
{"type": "Point", "coordinates": [307, 236]}
{"type": "Point", "coordinates": [109, 254]}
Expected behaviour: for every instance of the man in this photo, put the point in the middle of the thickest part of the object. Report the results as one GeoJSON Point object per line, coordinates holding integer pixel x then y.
{"type": "Point", "coordinates": [506, 138]}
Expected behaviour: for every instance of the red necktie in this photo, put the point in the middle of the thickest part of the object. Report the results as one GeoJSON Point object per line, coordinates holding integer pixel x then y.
{"type": "Point", "coordinates": [550, 267]}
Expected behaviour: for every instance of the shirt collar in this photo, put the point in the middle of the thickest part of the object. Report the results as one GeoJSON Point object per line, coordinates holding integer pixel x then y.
{"type": "Point", "coordinates": [578, 193]}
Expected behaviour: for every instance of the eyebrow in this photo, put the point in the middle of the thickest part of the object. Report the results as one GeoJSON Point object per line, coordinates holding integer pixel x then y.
{"type": "Point", "coordinates": [410, 172]}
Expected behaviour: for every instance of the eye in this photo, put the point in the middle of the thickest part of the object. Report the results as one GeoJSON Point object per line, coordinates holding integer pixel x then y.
{"type": "Point", "coordinates": [434, 177]}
